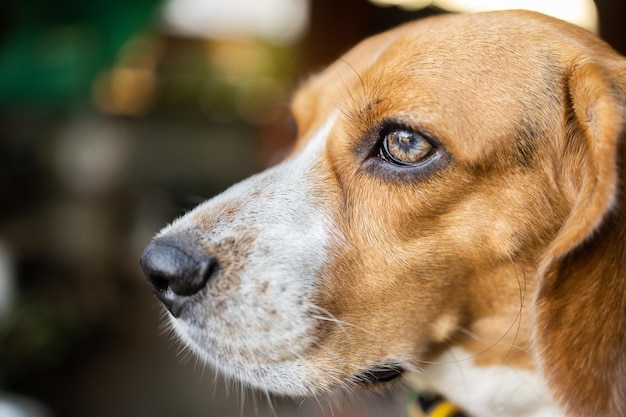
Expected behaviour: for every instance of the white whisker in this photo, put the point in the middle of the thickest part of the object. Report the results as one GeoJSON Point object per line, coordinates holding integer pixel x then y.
{"type": "Point", "coordinates": [329, 317]}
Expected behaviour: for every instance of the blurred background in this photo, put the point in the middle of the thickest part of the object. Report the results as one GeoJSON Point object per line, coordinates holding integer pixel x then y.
{"type": "Point", "coordinates": [117, 116]}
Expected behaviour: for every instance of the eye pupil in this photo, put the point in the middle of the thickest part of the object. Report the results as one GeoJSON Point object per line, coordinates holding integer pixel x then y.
{"type": "Point", "coordinates": [404, 147]}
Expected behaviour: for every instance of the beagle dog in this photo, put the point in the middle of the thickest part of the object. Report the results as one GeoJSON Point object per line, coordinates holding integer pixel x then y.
{"type": "Point", "coordinates": [454, 207]}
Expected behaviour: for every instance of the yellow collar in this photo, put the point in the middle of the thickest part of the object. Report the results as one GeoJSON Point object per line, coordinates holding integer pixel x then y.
{"type": "Point", "coordinates": [431, 404]}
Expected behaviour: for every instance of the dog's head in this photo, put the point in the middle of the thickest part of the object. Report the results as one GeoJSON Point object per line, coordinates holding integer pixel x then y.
{"type": "Point", "coordinates": [455, 181]}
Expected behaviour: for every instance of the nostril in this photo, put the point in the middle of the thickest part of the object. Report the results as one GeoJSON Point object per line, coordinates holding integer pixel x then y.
{"type": "Point", "coordinates": [158, 283]}
{"type": "Point", "coordinates": [174, 270]}
{"type": "Point", "coordinates": [192, 277]}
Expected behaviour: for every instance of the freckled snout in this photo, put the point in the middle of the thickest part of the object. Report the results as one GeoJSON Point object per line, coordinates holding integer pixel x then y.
{"type": "Point", "coordinates": [175, 272]}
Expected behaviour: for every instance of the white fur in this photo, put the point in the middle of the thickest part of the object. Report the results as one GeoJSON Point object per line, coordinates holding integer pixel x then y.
{"type": "Point", "coordinates": [497, 391]}
{"type": "Point", "coordinates": [257, 327]}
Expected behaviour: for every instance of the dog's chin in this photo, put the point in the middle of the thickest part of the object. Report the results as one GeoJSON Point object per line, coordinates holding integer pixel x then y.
{"type": "Point", "coordinates": [300, 379]}
{"type": "Point", "coordinates": [291, 376]}
{"type": "Point", "coordinates": [295, 376]}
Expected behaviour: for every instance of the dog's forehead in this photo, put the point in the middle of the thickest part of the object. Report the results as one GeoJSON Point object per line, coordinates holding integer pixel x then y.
{"type": "Point", "coordinates": [451, 75]}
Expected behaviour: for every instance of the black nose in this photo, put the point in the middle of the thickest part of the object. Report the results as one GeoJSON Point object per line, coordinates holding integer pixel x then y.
{"type": "Point", "coordinates": [175, 271]}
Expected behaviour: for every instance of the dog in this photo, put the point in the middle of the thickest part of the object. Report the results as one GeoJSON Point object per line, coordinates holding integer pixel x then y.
{"type": "Point", "coordinates": [453, 206]}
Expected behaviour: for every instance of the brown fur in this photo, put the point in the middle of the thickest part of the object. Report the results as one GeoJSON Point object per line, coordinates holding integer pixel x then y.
{"type": "Point", "coordinates": [531, 111]}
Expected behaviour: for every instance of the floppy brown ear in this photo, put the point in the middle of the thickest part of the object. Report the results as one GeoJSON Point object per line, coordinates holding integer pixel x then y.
{"type": "Point", "coordinates": [580, 306]}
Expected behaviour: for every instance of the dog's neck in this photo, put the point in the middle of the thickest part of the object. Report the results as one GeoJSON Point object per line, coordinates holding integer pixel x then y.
{"type": "Point", "coordinates": [491, 391]}
{"type": "Point", "coordinates": [487, 367]}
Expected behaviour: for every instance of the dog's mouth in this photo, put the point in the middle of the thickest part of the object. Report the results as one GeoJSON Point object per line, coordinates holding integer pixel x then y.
{"type": "Point", "coordinates": [379, 374]}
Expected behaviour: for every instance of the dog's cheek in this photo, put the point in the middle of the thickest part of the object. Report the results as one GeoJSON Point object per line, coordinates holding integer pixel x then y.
{"type": "Point", "coordinates": [386, 308]}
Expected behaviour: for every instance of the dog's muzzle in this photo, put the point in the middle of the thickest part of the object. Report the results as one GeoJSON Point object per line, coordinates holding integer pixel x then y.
{"type": "Point", "coordinates": [175, 272]}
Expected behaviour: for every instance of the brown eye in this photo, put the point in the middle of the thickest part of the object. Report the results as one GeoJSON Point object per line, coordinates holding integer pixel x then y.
{"type": "Point", "coordinates": [404, 147]}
